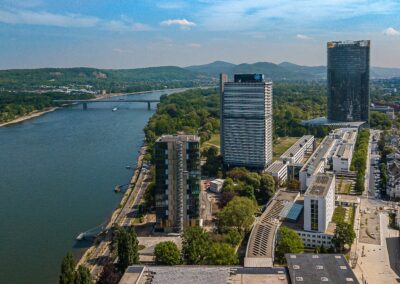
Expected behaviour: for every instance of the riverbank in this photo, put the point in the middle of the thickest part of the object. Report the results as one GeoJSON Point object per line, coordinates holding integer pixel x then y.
{"type": "Point", "coordinates": [100, 247]}
{"type": "Point", "coordinates": [37, 113]}
{"type": "Point", "coordinates": [28, 116]}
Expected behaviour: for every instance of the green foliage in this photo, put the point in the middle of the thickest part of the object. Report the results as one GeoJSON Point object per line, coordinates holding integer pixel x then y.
{"type": "Point", "coordinates": [195, 246]}
{"type": "Point", "coordinates": [339, 214]}
{"type": "Point", "coordinates": [232, 237]}
{"type": "Point", "coordinates": [237, 214]}
{"type": "Point", "coordinates": [193, 111]}
{"type": "Point", "coordinates": [344, 234]}
{"type": "Point", "coordinates": [67, 275]}
{"type": "Point", "coordinates": [126, 244]}
{"type": "Point", "coordinates": [213, 163]}
{"type": "Point", "coordinates": [359, 160]}
{"type": "Point", "coordinates": [288, 242]}
{"type": "Point", "coordinates": [222, 254]}
{"type": "Point", "coordinates": [167, 253]}
{"type": "Point", "coordinates": [82, 276]}
{"type": "Point", "coordinates": [379, 120]}
{"type": "Point", "coordinates": [241, 182]}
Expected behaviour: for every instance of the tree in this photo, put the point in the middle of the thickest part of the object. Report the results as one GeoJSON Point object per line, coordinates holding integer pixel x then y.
{"type": "Point", "coordinates": [167, 253]}
{"type": "Point", "coordinates": [149, 200]}
{"type": "Point", "coordinates": [222, 254]}
{"type": "Point", "coordinates": [195, 245]}
{"type": "Point", "coordinates": [127, 247]}
{"type": "Point", "coordinates": [67, 275]}
{"type": "Point", "coordinates": [288, 242]}
{"type": "Point", "coordinates": [109, 275]}
{"type": "Point", "coordinates": [344, 234]}
{"type": "Point", "coordinates": [267, 188]}
{"type": "Point", "coordinates": [82, 276]}
{"type": "Point", "coordinates": [232, 237]}
{"type": "Point", "coordinates": [239, 214]}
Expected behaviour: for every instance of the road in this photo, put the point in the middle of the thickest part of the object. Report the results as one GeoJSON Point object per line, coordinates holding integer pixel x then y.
{"type": "Point", "coordinates": [374, 265]}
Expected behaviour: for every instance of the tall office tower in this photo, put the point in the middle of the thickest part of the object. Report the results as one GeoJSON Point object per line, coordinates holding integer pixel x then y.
{"type": "Point", "coordinates": [246, 121]}
{"type": "Point", "coordinates": [177, 165]}
{"type": "Point", "coordinates": [348, 80]}
{"type": "Point", "coordinates": [319, 203]}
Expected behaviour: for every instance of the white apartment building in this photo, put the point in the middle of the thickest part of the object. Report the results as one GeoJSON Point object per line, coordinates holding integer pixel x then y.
{"type": "Point", "coordinates": [319, 203]}
{"type": "Point", "coordinates": [246, 121]}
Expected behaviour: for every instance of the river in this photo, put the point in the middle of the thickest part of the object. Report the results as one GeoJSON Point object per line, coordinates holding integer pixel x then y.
{"type": "Point", "coordinates": [57, 176]}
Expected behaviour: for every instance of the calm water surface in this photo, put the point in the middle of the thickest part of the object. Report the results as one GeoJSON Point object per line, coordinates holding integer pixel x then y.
{"type": "Point", "coordinates": [57, 175]}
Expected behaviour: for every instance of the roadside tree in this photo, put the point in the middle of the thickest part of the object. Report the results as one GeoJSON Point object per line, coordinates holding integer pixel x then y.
{"type": "Point", "coordinates": [288, 242]}
{"type": "Point", "coordinates": [167, 253]}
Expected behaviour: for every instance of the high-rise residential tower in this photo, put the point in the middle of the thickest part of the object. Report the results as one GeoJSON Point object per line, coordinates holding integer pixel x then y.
{"type": "Point", "coordinates": [177, 166]}
{"type": "Point", "coordinates": [246, 121]}
{"type": "Point", "coordinates": [348, 80]}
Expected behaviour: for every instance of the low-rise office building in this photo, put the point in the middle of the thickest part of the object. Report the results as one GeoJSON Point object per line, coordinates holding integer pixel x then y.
{"type": "Point", "coordinates": [341, 161]}
{"type": "Point", "coordinates": [278, 170]}
{"type": "Point", "coordinates": [389, 111]}
{"type": "Point", "coordinates": [295, 154]}
{"type": "Point", "coordinates": [316, 163]}
{"type": "Point", "coordinates": [216, 185]}
{"type": "Point", "coordinates": [319, 203]}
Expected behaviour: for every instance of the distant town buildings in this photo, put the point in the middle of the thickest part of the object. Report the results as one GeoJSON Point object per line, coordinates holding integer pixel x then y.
{"type": "Point", "coordinates": [389, 111]}
{"type": "Point", "coordinates": [348, 80]}
{"type": "Point", "coordinates": [246, 121]}
{"type": "Point", "coordinates": [177, 170]}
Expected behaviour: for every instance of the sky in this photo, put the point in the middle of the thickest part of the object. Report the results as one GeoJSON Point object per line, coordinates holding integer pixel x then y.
{"type": "Point", "coordinates": [141, 33]}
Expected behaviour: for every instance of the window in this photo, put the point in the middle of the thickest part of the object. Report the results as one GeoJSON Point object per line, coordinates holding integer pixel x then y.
{"type": "Point", "coordinates": [314, 215]}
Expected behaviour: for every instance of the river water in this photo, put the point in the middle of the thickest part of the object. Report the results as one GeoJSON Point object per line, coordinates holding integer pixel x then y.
{"type": "Point", "coordinates": [57, 176]}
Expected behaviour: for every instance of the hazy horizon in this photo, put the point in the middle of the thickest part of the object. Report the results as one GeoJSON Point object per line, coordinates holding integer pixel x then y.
{"type": "Point", "coordinates": [148, 33]}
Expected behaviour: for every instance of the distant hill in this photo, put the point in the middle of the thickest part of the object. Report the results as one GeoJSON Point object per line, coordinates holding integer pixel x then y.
{"type": "Point", "coordinates": [282, 71]}
{"type": "Point", "coordinates": [118, 79]}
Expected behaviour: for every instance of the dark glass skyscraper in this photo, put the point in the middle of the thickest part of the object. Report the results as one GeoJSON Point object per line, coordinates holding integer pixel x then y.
{"type": "Point", "coordinates": [348, 80]}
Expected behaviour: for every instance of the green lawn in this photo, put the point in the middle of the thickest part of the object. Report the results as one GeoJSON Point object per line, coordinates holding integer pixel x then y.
{"type": "Point", "coordinates": [281, 145]}
{"type": "Point", "coordinates": [214, 141]}
{"type": "Point", "coordinates": [338, 215]}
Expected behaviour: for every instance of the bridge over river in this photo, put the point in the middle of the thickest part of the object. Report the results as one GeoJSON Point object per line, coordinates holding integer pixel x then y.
{"type": "Point", "coordinates": [86, 102]}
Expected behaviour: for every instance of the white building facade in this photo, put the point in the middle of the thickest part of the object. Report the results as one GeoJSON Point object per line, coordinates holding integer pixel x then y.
{"type": "Point", "coordinates": [246, 121]}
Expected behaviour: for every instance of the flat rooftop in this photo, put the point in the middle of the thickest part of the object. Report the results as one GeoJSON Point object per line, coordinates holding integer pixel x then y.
{"type": "Point", "coordinates": [181, 138]}
{"type": "Point", "coordinates": [199, 274]}
{"type": "Point", "coordinates": [276, 167]}
{"type": "Point", "coordinates": [320, 185]}
{"type": "Point", "coordinates": [299, 144]}
{"type": "Point", "coordinates": [343, 151]}
{"type": "Point", "coordinates": [319, 154]}
{"type": "Point", "coordinates": [319, 268]}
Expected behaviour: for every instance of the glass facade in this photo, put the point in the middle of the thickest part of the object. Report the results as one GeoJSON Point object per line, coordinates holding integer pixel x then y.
{"type": "Point", "coordinates": [348, 80]}
{"type": "Point", "coordinates": [314, 215]}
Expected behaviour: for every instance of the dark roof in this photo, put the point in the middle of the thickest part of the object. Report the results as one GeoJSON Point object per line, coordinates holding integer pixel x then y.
{"type": "Point", "coordinates": [319, 268]}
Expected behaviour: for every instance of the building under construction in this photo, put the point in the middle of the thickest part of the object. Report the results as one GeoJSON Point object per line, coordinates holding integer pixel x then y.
{"type": "Point", "coordinates": [177, 165]}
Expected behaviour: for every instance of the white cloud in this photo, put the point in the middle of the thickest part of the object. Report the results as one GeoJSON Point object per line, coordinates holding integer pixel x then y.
{"type": "Point", "coordinates": [391, 32]}
{"type": "Point", "coordinates": [303, 37]}
{"type": "Point", "coordinates": [179, 22]}
{"type": "Point", "coordinates": [47, 19]}
{"type": "Point", "coordinates": [194, 45]}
